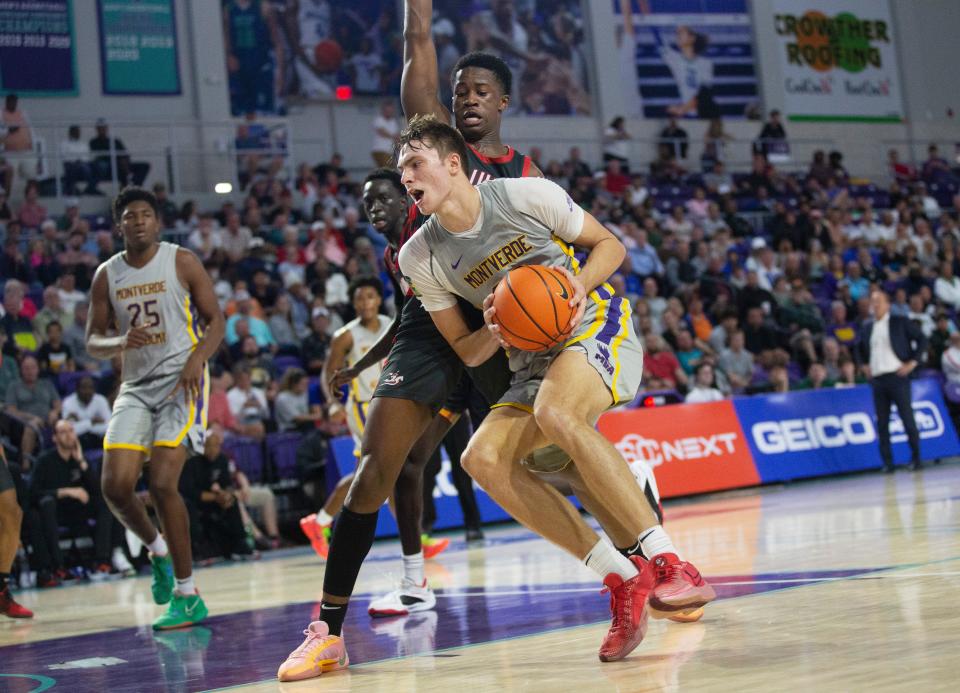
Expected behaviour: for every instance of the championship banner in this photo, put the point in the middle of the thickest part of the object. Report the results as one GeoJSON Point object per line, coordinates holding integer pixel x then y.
{"type": "Point", "coordinates": [37, 55]}
{"type": "Point", "coordinates": [823, 432]}
{"type": "Point", "coordinates": [686, 58]}
{"type": "Point", "coordinates": [693, 448]}
{"type": "Point", "coordinates": [838, 60]}
{"type": "Point", "coordinates": [138, 47]}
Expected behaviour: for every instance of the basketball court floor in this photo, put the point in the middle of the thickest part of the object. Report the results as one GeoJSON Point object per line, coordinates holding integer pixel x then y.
{"type": "Point", "coordinates": [844, 584]}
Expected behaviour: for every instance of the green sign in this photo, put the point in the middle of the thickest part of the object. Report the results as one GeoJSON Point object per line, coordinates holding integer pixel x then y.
{"type": "Point", "coordinates": [138, 47]}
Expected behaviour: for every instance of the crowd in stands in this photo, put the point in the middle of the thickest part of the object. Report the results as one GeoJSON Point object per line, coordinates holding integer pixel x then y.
{"type": "Point", "coordinates": [741, 282]}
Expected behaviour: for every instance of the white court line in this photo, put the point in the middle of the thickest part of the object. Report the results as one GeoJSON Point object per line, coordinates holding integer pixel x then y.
{"type": "Point", "coordinates": [782, 581]}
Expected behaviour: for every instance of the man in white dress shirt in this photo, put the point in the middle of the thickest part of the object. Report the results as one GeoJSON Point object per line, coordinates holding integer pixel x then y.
{"type": "Point", "coordinates": [891, 346]}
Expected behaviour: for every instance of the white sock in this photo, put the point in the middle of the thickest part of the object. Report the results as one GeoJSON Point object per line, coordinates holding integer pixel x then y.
{"type": "Point", "coordinates": [654, 541]}
{"type": "Point", "coordinates": [158, 547]}
{"type": "Point", "coordinates": [413, 568]}
{"type": "Point", "coordinates": [603, 559]}
{"type": "Point", "coordinates": [186, 586]}
{"type": "Point", "coordinates": [323, 519]}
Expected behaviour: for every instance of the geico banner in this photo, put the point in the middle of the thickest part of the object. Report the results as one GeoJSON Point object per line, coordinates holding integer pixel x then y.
{"type": "Point", "coordinates": [444, 493]}
{"type": "Point", "coordinates": [692, 447]}
{"type": "Point", "coordinates": [820, 432]}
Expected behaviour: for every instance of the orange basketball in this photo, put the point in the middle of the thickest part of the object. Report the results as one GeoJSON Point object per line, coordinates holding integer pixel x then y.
{"type": "Point", "coordinates": [328, 55]}
{"type": "Point", "coordinates": [533, 307]}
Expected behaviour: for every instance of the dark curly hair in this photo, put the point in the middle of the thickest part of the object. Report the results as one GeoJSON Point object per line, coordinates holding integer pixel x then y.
{"type": "Point", "coordinates": [132, 194]}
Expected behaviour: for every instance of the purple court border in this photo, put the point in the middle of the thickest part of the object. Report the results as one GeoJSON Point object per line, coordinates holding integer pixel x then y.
{"type": "Point", "coordinates": [247, 647]}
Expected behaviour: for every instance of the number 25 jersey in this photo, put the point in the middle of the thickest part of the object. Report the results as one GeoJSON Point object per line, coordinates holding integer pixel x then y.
{"type": "Point", "coordinates": [153, 297]}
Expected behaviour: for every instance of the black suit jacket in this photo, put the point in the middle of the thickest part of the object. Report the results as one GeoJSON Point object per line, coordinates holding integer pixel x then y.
{"type": "Point", "coordinates": [906, 338]}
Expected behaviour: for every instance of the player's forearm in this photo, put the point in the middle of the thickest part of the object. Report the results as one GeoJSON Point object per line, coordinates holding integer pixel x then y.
{"type": "Point", "coordinates": [417, 17]}
{"type": "Point", "coordinates": [104, 348]}
{"type": "Point", "coordinates": [476, 348]}
{"type": "Point", "coordinates": [604, 259]}
{"type": "Point", "coordinates": [212, 337]}
{"type": "Point", "coordinates": [381, 349]}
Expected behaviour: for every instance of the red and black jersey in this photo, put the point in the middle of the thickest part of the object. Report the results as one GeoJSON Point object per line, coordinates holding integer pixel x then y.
{"type": "Point", "coordinates": [513, 164]}
{"type": "Point", "coordinates": [402, 289]}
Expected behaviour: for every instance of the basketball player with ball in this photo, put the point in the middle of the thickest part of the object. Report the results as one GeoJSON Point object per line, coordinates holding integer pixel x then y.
{"type": "Point", "coordinates": [474, 237]}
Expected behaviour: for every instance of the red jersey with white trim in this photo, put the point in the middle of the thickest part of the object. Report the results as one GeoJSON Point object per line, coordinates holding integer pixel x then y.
{"type": "Point", "coordinates": [402, 290]}
{"type": "Point", "coordinates": [513, 164]}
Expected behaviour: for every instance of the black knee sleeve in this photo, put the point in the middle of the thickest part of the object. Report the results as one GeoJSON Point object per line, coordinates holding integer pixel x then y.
{"type": "Point", "coordinates": [352, 538]}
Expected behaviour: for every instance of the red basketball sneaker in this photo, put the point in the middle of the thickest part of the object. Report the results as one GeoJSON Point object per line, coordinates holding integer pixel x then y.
{"type": "Point", "coordinates": [677, 586]}
{"type": "Point", "coordinates": [628, 601]}
{"type": "Point", "coordinates": [9, 607]}
{"type": "Point", "coordinates": [688, 615]}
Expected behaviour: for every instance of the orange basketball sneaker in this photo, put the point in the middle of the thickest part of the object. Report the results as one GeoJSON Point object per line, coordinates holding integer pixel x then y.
{"type": "Point", "coordinates": [677, 587]}
{"type": "Point", "coordinates": [315, 533]}
{"type": "Point", "coordinates": [628, 601]}
{"type": "Point", "coordinates": [432, 547]}
{"type": "Point", "coordinates": [318, 654]}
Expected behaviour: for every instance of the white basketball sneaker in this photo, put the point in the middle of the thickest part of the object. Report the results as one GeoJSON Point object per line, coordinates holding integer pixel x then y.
{"type": "Point", "coordinates": [407, 599]}
{"type": "Point", "coordinates": [121, 564]}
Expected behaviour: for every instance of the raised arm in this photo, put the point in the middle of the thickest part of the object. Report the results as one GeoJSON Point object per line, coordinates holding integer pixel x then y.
{"type": "Point", "coordinates": [420, 82]}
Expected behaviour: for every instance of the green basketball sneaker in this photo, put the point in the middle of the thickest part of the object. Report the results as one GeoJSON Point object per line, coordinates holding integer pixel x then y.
{"type": "Point", "coordinates": [163, 582]}
{"type": "Point", "coordinates": [184, 610]}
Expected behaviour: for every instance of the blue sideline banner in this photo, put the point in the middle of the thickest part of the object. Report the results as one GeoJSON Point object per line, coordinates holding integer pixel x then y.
{"type": "Point", "coordinates": [444, 494]}
{"type": "Point", "coordinates": [823, 432]}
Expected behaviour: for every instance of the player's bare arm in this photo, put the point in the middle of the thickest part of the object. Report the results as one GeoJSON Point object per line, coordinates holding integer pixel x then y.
{"type": "Point", "coordinates": [605, 256]}
{"type": "Point", "coordinates": [474, 347]}
{"type": "Point", "coordinates": [420, 81]}
{"type": "Point", "coordinates": [339, 348]}
{"type": "Point", "coordinates": [198, 283]}
{"type": "Point", "coordinates": [276, 36]}
{"type": "Point", "coordinates": [101, 320]}
{"type": "Point", "coordinates": [337, 378]}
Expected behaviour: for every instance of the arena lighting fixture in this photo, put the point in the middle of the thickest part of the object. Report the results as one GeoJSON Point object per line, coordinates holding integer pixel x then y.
{"type": "Point", "coordinates": [223, 188]}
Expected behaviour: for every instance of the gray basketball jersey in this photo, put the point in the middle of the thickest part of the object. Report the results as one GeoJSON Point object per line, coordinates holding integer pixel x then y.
{"type": "Point", "coordinates": [522, 222]}
{"type": "Point", "coordinates": [471, 266]}
{"type": "Point", "coordinates": [153, 297]}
